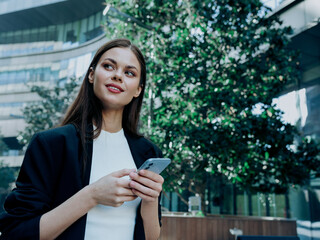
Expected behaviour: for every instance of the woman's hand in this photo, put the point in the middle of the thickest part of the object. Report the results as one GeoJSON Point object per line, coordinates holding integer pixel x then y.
{"type": "Point", "coordinates": [113, 190]}
{"type": "Point", "coordinates": [146, 184]}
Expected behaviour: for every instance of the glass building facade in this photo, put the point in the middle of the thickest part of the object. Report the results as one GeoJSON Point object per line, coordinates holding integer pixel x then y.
{"type": "Point", "coordinates": [51, 38]}
{"type": "Point", "coordinates": [47, 51]}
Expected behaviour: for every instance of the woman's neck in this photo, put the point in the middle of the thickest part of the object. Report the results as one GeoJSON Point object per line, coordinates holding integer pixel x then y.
{"type": "Point", "coordinates": [112, 120]}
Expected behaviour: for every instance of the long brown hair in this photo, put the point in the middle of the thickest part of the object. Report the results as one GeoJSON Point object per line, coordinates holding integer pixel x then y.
{"type": "Point", "coordinates": [87, 107]}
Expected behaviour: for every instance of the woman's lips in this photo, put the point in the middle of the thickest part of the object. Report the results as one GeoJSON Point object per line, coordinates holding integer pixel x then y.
{"type": "Point", "coordinates": [114, 88]}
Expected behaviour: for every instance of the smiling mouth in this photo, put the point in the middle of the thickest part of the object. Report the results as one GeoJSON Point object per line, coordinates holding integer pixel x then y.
{"type": "Point", "coordinates": [113, 88]}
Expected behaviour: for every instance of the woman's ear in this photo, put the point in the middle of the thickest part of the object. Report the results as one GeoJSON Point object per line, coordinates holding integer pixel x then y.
{"type": "Point", "coordinates": [138, 91]}
{"type": "Point", "coordinates": [91, 75]}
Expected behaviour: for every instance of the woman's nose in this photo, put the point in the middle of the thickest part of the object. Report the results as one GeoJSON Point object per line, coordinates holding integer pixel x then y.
{"type": "Point", "coordinates": [117, 76]}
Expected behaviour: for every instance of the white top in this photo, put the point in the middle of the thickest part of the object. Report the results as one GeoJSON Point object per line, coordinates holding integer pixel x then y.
{"type": "Point", "coordinates": [111, 153]}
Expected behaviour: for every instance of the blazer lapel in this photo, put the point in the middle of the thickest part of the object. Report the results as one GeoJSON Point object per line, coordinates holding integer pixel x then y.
{"type": "Point", "coordinates": [141, 150]}
{"type": "Point", "coordinates": [86, 168]}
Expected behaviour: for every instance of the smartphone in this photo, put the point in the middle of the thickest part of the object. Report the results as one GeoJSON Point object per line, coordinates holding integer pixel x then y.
{"type": "Point", "coordinates": [156, 165]}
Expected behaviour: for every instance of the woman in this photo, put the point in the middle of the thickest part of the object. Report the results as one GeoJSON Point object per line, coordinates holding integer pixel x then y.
{"type": "Point", "coordinates": [78, 181]}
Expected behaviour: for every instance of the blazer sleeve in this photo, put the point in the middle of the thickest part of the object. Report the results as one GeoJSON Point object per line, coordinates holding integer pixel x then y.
{"type": "Point", "coordinates": [32, 196]}
{"type": "Point", "coordinates": [139, 228]}
{"type": "Point", "coordinates": [159, 155]}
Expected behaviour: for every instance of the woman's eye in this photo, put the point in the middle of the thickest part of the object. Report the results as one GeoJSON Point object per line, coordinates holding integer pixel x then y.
{"type": "Point", "coordinates": [108, 66]}
{"type": "Point", "coordinates": [131, 74]}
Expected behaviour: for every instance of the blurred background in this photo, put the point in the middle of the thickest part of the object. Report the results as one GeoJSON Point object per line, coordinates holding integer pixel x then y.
{"type": "Point", "coordinates": [233, 95]}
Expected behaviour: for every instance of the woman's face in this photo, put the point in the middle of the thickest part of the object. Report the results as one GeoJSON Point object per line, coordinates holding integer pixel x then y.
{"type": "Point", "coordinates": [116, 78]}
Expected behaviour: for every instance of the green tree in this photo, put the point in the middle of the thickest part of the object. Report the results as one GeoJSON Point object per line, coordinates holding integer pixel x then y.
{"type": "Point", "coordinates": [47, 112]}
{"type": "Point", "coordinates": [214, 68]}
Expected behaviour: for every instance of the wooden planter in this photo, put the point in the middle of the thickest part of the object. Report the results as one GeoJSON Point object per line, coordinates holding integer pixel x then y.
{"type": "Point", "coordinates": [176, 227]}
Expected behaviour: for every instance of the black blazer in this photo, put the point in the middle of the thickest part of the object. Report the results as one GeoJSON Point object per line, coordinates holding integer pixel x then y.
{"type": "Point", "coordinates": [50, 174]}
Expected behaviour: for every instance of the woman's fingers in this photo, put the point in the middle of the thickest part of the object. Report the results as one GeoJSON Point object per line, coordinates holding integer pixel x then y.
{"type": "Point", "coordinates": [127, 198]}
{"type": "Point", "coordinates": [144, 189]}
{"type": "Point", "coordinates": [122, 173]}
{"type": "Point", "coordinates": [145, 181]}
{"type": "Point", "coordinates": [123, 192]}
{"type": "Point", "coordinates": [118, 201]}
{"type": "Point", "coordinates": [144, 196]}
{"type": "Point", "coordinates": [148, 182]}
{"type": "Point", "coordinates": [151, 175]}
{"type": "Point", "coordinates": [123, 182]}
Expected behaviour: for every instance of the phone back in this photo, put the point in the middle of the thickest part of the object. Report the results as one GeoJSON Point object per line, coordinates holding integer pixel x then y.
{"type": "Point", "coordinates": [156, 165]}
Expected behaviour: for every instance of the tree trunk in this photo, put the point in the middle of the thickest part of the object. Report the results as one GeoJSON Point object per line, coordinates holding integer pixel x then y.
{"type": "Point", "coordinates": [267, 205]}
{"type": "Point", "coordinates": [209, 192]}
{"type": "Point", "coordinates": [234, 197]}
{"type": "Point", "coordinates": [288, 215]}
{"type": "Point", "coordinates": [221, 198]}
{"type": "Point", "coordinates": [250, 203]}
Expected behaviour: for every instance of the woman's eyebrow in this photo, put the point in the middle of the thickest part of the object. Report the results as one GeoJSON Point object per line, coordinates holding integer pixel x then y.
{"type": "Point", "coordinates": [130, 66]}
{"type": "Point", "coordinates": [115, 62]}
{"type": "Point", "coordinates": [111, 60]}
